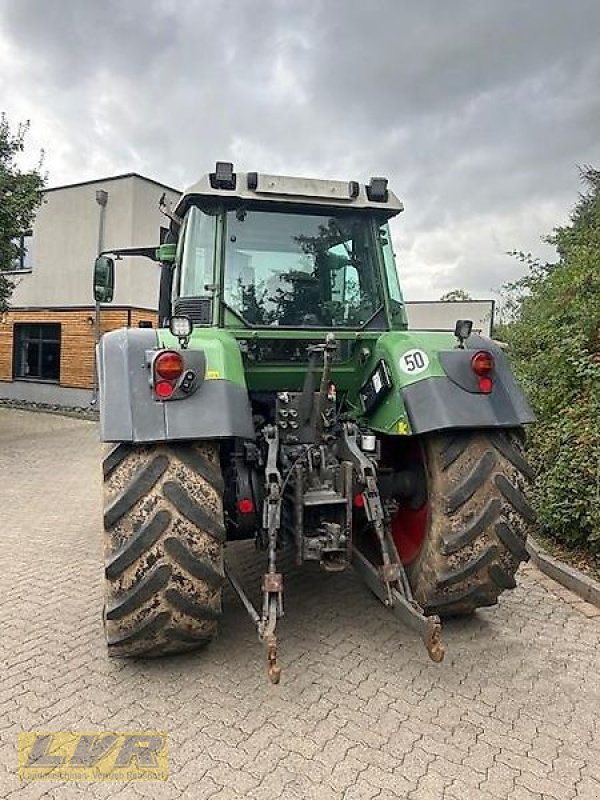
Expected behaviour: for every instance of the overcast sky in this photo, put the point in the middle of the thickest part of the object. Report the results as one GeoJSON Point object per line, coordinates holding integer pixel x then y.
{"type": "Point", "coordinates": [478, 111]}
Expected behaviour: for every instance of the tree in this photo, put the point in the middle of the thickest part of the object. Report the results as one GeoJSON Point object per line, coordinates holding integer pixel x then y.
{"type": "Point", "coordinates": [20, 196]}
{"type": "Point", "coordinates": [456, 296]}
{"type": "Point", "coordinates": [554, 343]}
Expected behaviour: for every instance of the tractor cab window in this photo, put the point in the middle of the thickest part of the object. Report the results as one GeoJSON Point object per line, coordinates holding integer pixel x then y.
{"type": "Point", "coordinates": [300, 270]}
{"type": "Point", "coordinates": [196, 254]}
{"type": "Point", "coordinates": [398, 310]}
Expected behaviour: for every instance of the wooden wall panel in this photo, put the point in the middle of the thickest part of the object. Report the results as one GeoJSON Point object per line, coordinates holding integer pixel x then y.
{"type": "Point", "coordinates": [77, 338]}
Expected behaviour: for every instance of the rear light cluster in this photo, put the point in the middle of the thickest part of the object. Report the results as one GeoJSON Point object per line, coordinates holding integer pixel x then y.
{"type": "Point", "coordinates": [482, 364]}
{"type": "Point", "coordinates": [168, 368]}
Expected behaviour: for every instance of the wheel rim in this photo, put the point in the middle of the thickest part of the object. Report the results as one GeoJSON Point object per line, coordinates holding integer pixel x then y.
{"type": "Point", "coordinates": [409, 528]}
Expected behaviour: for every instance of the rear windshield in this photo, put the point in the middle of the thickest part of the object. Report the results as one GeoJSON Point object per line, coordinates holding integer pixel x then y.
{"type": "Point", "coordinates": [301, 270]}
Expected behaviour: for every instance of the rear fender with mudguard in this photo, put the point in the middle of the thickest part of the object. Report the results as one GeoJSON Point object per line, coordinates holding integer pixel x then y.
{"type": "Point", "coordinates": [455, 401]}
{"type": "Point", "coordinates": [433, 386]}
{"type": "Point", "coordinates": [217, 407]}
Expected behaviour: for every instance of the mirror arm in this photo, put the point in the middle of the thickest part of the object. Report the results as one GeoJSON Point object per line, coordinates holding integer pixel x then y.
{"type": "Point", "coordinates": [145, 252]}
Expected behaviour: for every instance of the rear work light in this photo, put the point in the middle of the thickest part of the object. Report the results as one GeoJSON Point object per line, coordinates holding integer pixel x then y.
{"type": "Point", "coordinates": [482, 364]}
{"type": "Point", "coordinates": [168, 365]}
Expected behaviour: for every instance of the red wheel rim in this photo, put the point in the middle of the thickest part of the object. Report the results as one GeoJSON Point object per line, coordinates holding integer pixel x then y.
{"type": "Point", "coordinates": [409, 528]}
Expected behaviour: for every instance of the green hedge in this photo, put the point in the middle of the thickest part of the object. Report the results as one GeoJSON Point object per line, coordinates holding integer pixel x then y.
{"type": "Point", "coordinates": [554, 344]}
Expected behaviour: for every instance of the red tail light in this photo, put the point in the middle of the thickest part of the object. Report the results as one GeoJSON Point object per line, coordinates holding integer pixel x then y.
{"type": "Point", "coordinates": [164, 389]}
{"type": "Point", "coordinates": [168, 365]}
{"type": "Point", "coordinates": [485, 384]}
{"type": "Point", "coordinates": [482, 363]}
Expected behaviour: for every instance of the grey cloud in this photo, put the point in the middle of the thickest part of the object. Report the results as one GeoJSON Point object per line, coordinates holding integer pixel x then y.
{"type": "Point", "coordinates": [477, 111]}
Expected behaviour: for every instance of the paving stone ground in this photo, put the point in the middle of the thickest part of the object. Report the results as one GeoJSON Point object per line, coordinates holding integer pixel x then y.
{"type": "Point", "coordinates": [512, 714]}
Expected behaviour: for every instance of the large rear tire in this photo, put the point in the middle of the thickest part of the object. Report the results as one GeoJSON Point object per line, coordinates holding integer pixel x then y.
{"type": "Point", "coordinates": [477, 521]}
{"type": "Point", "coordinates": [163, 547]}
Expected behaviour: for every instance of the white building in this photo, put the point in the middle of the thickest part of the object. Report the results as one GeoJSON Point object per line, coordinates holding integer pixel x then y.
{"type": "Point", "coordinates": [47, 338]}
{"type": "Point", "coordinates": [440, 315]}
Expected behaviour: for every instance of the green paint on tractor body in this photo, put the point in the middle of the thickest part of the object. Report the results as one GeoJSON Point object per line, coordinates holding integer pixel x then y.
{"type": "Point", "coordinates": [228, 358]}
{"type": "Point", "coordinates": [221, 350]}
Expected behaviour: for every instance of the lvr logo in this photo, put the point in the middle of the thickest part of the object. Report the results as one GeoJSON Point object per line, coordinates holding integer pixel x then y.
{"type": "Point", "coordinates": [93, 756]}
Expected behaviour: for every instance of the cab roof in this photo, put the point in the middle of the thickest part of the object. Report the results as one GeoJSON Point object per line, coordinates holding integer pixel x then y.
{"type": "Point", "coordinates": [225, 183]}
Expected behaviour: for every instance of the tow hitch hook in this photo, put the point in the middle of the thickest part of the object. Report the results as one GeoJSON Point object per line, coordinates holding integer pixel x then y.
{"type": "Point", "coordinates": [273, 668]}
{"type": "Point", "coordinates": [434, 645]}
{"type": "Point", "coordinates": [265, 624]}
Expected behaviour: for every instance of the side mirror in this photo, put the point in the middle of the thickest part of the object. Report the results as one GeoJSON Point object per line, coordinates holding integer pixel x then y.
{"type": "Point", "coordinates": [104, 279]}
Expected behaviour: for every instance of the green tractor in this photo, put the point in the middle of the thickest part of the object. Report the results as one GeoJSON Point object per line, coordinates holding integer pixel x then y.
{"type": "Point", "coordinates": [284, 399]}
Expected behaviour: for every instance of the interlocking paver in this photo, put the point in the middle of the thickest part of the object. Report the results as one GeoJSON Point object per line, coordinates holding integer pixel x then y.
{"type": "Point", "coordinates": [360, 713]}
{"type": "Point", "coordinates": [500, 780]}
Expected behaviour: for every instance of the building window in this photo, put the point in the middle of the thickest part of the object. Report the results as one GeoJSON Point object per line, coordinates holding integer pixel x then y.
{"type": "Point", "coordinates": [37, 351]}
{"type": "Point", "coordinates": [23, 259]}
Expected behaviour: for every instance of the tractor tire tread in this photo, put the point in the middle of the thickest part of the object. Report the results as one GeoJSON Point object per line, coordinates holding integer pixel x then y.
{"type": "Point", "coordinates": [515, 498]}
{"type": "Point", "coordinates": [464, 602]}
{"type": "Point", "coordinates": [140, 593]}
{"type": "Point", "coordinates": [505, 445]}
{"type": "Point", "coordinates": [192, 608]}
{"type": "Point", "coordinates": [471, 482]}
{"type": "Point", "coordinates": [193, 512]}
{"type": "Point", "coordinates": [482, 560]}
{"type": "Point", "coordinates": [114, 457]}
{"type": "Point", "coordinates": [138, 544]}
{"type": "Point", "coordinates": [148, 628]}
{"type": "Point", "coordinates": [452, 543]}
{"type": "Point", "coordinates": [201, 466]}
{"type": "Point", "coordinates": [512, 541]}
{"type": "Point", "coordinates": [454, 448]}
{"type": "Point", "coordinates": [141, 483]}
{"type": "Point", "coordinates": [164, 539]}
{"type": "Point", "coordinates": [194, 566]}
{"type": "Point", "coordinates": [479, 519]}
{"type": "Point", "coordinates": [502, 577]}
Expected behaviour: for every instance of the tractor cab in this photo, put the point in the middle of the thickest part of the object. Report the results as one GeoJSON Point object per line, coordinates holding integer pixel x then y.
{"type": "Point", "coordinates": [261, 252]}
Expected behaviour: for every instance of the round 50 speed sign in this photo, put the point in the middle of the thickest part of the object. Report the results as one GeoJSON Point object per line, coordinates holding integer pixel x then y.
{"type": "Point", "coordinates": [414, 361]}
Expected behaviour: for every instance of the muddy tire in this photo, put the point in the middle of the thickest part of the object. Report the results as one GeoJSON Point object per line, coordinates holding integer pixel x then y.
{"type": "Point", "coordinates": [163, 547]}
{"type": "Point", "coordinates": [478, 521]}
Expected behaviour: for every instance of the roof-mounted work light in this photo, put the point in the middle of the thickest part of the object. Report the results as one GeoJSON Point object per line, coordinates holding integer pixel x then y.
{"type": "Point", "coordinates": [377, 190]}
{"type": "Point", "coordinates": [223, 177]}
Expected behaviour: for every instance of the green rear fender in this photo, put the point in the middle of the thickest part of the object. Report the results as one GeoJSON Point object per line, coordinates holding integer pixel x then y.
{"type": "Point", "coordinates": [221, 350]}
{"type": "Point", "coordinates": [409, 357]}
{"type": "Point", "coordinates": [434, 387]}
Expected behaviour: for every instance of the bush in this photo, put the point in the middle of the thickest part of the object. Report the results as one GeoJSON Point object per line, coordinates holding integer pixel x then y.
{"type": "Point", "coordinates": [554, 344]}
